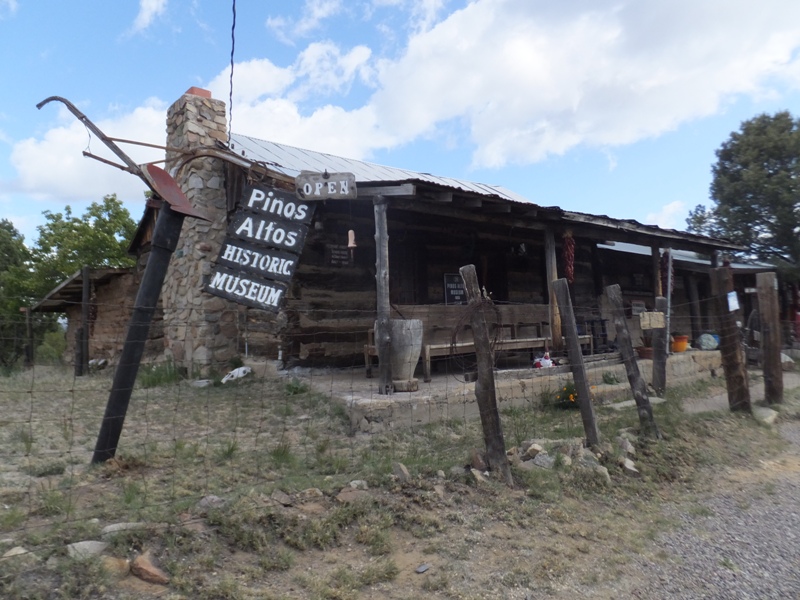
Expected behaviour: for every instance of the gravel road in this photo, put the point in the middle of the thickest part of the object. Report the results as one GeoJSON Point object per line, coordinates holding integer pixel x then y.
{"type": "Point", "coordinates": [743, 541]}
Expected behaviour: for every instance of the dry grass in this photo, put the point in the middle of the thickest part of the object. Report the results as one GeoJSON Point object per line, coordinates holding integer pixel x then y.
{"type": "Point", "coordinates": [247, 442]}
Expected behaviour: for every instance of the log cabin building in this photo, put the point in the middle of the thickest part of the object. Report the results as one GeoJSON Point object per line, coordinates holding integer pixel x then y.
{"type": "Point", "coordinates": [435, 225]}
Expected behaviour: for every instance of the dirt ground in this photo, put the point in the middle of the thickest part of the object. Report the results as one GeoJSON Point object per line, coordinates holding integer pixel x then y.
{"type": "Point", "coordinates": [306, 509]}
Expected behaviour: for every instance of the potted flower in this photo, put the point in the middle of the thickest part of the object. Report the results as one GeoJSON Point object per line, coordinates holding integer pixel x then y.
{"type": "Point", "coordinates": [680, 342]}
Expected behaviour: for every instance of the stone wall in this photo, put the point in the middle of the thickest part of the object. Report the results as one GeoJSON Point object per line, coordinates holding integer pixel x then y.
{"type": "Point", "coordinates": [201, 330]}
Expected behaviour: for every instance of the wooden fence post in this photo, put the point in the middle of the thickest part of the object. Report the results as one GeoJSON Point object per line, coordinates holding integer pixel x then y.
{"type": "Point", "coordinates": [485, 393]}
{"type": "Point", "coordinates": [577, 366]}
{"type": "Point", "coordinates": [383, 332]}
{"type": "Point", "coordinates": [767, 285]}
{"type": "Point", "coordinates": [660, 351]}
{"type": "Point", "coordinates": [730, 340]}
{"type": "Point", "coordinates": [638, 386]}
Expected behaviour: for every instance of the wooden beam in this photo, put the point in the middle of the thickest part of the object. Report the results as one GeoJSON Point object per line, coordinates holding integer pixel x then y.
{"type": "Point", "coordinates": [496, 208]}
{"type": "Point", "coordinates": [403, 190]}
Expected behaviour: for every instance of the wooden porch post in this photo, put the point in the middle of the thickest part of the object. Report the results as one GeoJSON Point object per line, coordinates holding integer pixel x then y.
{"type": "Point", "coordinates": [383, 334]}
{"type": "Point", "coordinates": [552, 276]}
{"type": "Point", "coordinates": [655, 255]}
{"type": "Point", "coordinates": [86, 297]}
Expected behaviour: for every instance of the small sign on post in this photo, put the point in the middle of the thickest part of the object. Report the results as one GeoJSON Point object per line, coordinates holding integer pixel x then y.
{"type": "Point", "coordinates": [652, 320]}
{"type": "Point", "coordinates": [454, 291]}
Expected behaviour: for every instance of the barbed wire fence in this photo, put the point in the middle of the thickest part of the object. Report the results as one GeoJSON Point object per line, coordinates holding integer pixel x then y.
{"type": "Point", "coordinates": [189, 439]}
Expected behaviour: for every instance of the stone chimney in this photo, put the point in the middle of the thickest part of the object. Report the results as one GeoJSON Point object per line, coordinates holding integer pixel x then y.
{"type": "Point", "coordinates": [200, 330]}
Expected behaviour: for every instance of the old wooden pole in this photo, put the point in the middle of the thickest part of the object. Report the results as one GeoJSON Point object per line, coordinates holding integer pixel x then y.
{"type": "Point", "coordinates": [655, 261]}
{"type": "Point", "coordinates": [767, 286]}
{"type": "Point", "coordinates": [552, 275]}
{"type": "Point", "coordinates": [485, 393]}
{"type": "Point", "coordinates": [576, 363]}
{"type": "Point", "coordinates": [638, 386]}
{"type": "Point", "coordinates": [383, 332]}
{"type": "Point", "coordinates": [86, 300]}
{"type": "Point", "coordinates": [730, 339]}
{"type": "Point", "coordinates": [660, 351]}
{"type": "Point", "coordinates": [28, 336]}
{"type": "Point", "coordinates": [165, 239]}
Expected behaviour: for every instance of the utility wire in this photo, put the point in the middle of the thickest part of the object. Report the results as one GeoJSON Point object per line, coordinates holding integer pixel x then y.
{"type": "Point", "coordinates": [230, 93]}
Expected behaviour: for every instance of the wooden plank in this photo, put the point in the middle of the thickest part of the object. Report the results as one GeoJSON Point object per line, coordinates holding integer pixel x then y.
{"type": "Point", "coordinates": [767, 285]}
{"type": "Point", "coordinates": [402, 190]}
{"type": "Point", "coordinates": [576, 364]}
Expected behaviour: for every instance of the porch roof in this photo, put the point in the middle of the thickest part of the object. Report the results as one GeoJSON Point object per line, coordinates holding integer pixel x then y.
{"type": "Point", "coordinates": [70, 291]}
{"type": "Point", "coordinates": [436, 194]}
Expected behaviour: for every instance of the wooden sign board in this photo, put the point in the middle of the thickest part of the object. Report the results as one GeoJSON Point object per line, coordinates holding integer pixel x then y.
{"type": "Point", "coordinates": [454, 291]}
{"type": "Point", "coordinates": [260, 254]}
{"type": "Point", "coordinates": [247, 289]}
{"type": "Point", "coordinates": [652, 320]}
{"type": "Point", "coordinates": [338, 255]}
{"type": "Point", "coordinates": [264, 262]}
{"type": "Point", "coordinates": [310, 185]}
{"type": "Point", "coordinates": [266, 232]}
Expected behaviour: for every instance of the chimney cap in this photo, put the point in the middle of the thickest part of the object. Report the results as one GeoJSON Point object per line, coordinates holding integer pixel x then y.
{"type": "Point", "coordinates": [196, 91]}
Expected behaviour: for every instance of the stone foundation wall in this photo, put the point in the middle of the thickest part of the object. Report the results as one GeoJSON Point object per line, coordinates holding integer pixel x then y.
{"type": "Point", "coordinates": [442, 401]}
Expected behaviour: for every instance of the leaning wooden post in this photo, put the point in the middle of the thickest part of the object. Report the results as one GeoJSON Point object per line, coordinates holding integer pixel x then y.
{"type": "Point", "coordinates": [638, 386]}
{"type": "Point", "coordinates": [552, 275]}
{"type": "Point", "coordinates": [730, 341]}
{"type": "Point", "coordinates": [767, 285]}
{"type": "Point", "coordinates": [576, 363]}
{"type": "Point", "coordinates": [165, 239]}
{"type": "Point", "coordinates": [660, 350]}
{"type": "Point", "coordinates": [383, 332]}
{"type": "Point", "coordinates": [485, 393]}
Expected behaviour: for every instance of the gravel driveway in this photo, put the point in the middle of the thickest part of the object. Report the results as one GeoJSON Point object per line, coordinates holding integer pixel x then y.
{"type": "Point", "coordinates": [741, 541]}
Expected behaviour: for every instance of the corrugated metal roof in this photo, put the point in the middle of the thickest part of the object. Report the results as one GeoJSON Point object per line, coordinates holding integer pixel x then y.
{"type": "Point", "coordinates": [290, 160]}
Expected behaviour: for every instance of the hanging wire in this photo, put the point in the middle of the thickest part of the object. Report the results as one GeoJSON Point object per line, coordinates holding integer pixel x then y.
{"type": "Point", "coordinates": [230, 93]}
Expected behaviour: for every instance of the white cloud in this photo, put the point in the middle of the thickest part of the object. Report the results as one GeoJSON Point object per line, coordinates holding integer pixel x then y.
{"type": "Point", "coordinates": [52, 167]}
{"type": "Point", "coordinates": [148, 10]}
{"type": "Point", "coordinates": [671, 216]}
{"type": "Point", "coordinates": [534, 80]}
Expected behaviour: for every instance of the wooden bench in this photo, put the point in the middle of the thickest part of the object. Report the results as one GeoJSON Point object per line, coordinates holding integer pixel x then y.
{"type": "Point", "coordinates": [521, 328]}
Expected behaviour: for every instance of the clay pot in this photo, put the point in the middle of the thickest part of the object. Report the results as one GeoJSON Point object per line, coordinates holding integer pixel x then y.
{"type": "Point", "coordinates": [680, 343]}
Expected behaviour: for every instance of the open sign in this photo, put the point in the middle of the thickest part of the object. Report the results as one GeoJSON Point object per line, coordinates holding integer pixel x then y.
{"type": "Point", "coordinates": [325, 186]}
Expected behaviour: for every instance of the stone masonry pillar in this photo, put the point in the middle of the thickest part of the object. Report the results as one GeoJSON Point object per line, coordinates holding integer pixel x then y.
{"type": "Point", "coordinates": [200, 330]}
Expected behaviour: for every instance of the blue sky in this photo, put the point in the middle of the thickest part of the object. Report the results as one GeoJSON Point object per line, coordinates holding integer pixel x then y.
{"type": "Point", "coordinates": [610, 107]}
